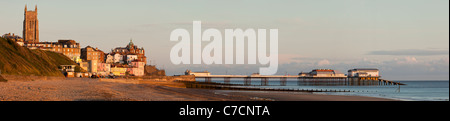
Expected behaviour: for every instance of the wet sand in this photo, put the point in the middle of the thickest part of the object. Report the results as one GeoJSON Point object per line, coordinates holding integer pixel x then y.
{"type": "Point", "coordinates": [84, 89]}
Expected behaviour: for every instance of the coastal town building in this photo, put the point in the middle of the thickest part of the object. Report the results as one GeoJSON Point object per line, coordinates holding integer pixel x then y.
{"type": "Point", "coordinates": [130, 49]}
{"type": "Point", "coordinates": [69, 48]}
{"type": "Point", "coordinates": [118, 58]}
{"type": "Point", "coordinates": [68, 70]}
{"type": "Point", "coordinates": [92, 66]}
{"type": "Point", "coordinates": [103, 69]}
{"type": "Point", "coordinates": [118, 71]}
{"type": "Point", "coordinates": [89, 53]}
{"type": "Point", "coordinates": [114, 58]}
{"type": "Point", "coordinates": [122, 61]}
{"type": "Point", "coordinates": [131, 58]}
{"type": "Point", "coordinates": [92, 60]}
{"type": "Point", "coordinates": [136, 68]}
{"type": "Point", "coordinates": [109, 58]}
{"type": "Point", "coordinates": [14, 37]}
{"type": "Point", "coordinates": [127, 61]}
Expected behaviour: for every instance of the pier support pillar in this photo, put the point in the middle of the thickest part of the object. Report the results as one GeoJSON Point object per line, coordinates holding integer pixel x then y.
{"type": "Point", "coordinates": [299, 81]}
{"type": "Point", "coordinates": [283, 81]}
{"type": "Point", "coordinates": [208, 79]}
{"type": "Point", "coordinates": [247, 81]}
{"type": "Point", "coordinates": [264, 81]}
{"type": "Point", "coordinates": [226, 80]}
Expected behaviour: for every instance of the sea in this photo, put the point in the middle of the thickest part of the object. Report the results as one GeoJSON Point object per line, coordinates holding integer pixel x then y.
{"type": "Point", "coordinates": [417, 90]}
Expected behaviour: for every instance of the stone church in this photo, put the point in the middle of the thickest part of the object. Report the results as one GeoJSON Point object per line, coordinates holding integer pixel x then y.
{"type": "Point", "coordinates": [31, 26]}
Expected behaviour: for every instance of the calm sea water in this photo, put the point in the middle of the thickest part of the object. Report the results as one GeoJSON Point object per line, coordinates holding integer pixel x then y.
{"type": "Point", "coordinates": [413, 90]}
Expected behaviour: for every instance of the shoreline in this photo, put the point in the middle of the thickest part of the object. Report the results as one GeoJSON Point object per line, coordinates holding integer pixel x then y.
{"type": "Point", "coordinates": [86, 89]}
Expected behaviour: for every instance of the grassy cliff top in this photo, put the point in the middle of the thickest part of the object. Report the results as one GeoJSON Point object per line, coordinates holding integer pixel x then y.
{"type": "Point", "coordinates": [17, 60]}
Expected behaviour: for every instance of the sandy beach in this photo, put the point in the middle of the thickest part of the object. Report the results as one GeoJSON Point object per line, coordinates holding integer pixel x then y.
{"type": "Point", "coordinates": [85, 89]}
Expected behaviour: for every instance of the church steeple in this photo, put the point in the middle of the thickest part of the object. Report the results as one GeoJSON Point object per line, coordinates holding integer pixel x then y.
{"type": "Point", "coordinates": [25, 7]}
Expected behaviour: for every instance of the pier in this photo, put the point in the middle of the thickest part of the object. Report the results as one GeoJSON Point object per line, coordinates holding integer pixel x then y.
{"type": "Point", "coordinates": [302, 80]}
{"type": "Point", "coordinates": [218, 86]}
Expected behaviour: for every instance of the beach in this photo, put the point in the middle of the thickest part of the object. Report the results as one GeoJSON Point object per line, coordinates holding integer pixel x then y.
{"type": "Point", "coordinates": [86, 89]}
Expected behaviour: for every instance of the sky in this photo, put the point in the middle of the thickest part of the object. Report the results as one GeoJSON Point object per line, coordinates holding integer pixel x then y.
{"type": "Point", "coordinates": [405, 39]}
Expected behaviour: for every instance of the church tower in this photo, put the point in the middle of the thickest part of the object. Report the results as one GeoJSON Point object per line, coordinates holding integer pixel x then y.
{"type": "Point", "coordinates": [30, 26]}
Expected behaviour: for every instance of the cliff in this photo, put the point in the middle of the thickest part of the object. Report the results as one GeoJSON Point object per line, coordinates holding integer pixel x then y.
{"type": "Point", "coordinates": [17, 60]}
{"type": "Point", "coordinates": [151, 70]}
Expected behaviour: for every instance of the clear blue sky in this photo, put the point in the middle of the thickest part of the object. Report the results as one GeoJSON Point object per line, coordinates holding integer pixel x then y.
{"type": "Point", "coordinates": [405, 39]}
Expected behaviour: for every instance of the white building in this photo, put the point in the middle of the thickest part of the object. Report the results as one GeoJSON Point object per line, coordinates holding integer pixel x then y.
{"type": "Point", "coordinates": [109, 58]}
{"type": "Point", "coordinates": [204, 73]}
{"type": "Point", "coordinates": [364, 72]}
{"type": "Point", "coordinates": [328, 73]}
{"type": "Point", "coordinates": [131, 58]}
{"type": "Point", "coordinates": [118, 58]}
